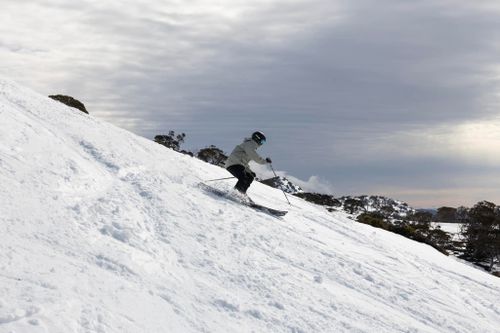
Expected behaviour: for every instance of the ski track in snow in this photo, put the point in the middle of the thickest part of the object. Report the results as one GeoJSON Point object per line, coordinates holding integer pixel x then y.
{"type": "Point", "coordinates": [104, 231]}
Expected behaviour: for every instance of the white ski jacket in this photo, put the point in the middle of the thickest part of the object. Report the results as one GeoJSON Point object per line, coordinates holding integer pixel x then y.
{"type": "Point", "coordinates": [244, 153]}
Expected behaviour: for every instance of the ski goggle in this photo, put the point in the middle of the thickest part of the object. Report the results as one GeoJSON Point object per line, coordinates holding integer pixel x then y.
{"type": "Point", "coordinates": [262, 141]}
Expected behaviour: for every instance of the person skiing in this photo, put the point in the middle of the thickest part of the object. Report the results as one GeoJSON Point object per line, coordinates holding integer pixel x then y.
{"type": "Point", "coordinates": [237, 162]}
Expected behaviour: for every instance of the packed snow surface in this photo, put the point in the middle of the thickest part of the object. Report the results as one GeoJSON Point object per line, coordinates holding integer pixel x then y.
{"type": "Point", "coordinates": [105, 231]}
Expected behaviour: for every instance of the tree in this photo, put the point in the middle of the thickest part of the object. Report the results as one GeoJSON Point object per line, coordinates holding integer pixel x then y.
{"type": "Point", "coordinates": [440, 239]}
{"type": "Point", "coordinates": [446, 214]}
{"type": "Point", "coordinates": [421, 216]}
{"type": "Point", "coordinates": [171, 140]}
{"type": "Point", "coordinates": [387, 211]}
{"type": "Point", "coordinates": [374, 219]}
{"type": "Point", "coordinates": [319, 199]}
{"type": "Point", "coordinates": [482, 235]}
{"type": "Point", "coordinates": [462, 214]}
{"type": "Point", "coordinates": [353, 205]}
{"type": "Point", "coordinates": [212, 155]}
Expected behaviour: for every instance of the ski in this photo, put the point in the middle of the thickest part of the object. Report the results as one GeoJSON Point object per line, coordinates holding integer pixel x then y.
{"type": "Point", "coordinates": [268, 210]}
{"type": "Point", "coordinates": [245, 200]}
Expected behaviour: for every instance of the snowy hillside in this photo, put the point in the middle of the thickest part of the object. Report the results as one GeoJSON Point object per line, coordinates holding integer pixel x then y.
{"type": "Point", "coordinates": [104, 231]}
{"type": "Point", "coordinates": [376, 203]}
{"type": "Point", "coordinates": [355, 205]}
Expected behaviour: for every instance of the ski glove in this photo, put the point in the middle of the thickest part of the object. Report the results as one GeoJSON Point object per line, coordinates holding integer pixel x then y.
{"type": "Point", "coordinates": [268, 160]}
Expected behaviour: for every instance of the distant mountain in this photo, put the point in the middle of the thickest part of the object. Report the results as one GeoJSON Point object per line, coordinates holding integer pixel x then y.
{"type": "Point", "coordinates": [433, 211]}
{"type": "Point", "coordinates": [355, 205]}
{"type": "Point", "coordinates": [283, 184]}
{"type": "Point", "coordinates": [388, 207]}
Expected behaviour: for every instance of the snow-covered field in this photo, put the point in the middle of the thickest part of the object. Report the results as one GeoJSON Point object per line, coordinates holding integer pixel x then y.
{"type": "Point", "coordinates": [105, 231]}
{"type": "Point", "coordinates": [452, 228]}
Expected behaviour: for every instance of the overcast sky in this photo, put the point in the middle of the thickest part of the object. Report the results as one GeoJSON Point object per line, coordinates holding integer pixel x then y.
{"type": "Point", "coordinates": [391, 97]}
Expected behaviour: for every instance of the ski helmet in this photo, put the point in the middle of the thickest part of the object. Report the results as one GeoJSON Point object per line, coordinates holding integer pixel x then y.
{"type": "Point", "coordinates": [259, 137]}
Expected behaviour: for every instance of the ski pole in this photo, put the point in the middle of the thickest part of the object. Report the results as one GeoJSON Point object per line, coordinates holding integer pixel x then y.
{"type": "Point", "coordinates": [213, 180]}
{"type": "Point", "coordinates": [275, 175]}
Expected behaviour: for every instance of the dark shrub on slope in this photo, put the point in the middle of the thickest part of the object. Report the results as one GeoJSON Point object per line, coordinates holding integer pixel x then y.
{"type": "Point", "coordinates": [319, 199]}
{"type": "Point", "coordinates": [70, 101]}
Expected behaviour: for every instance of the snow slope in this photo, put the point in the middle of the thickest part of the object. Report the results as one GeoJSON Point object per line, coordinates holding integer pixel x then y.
{"type": "Point", "coordinates": [105, 231]}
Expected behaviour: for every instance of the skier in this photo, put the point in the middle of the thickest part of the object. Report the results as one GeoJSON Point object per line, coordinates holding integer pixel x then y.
{"type": "Point", "coordinates": [237, 162]}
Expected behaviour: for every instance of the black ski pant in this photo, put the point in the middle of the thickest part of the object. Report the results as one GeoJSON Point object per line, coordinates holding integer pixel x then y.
{"type": "Point", "coordinates": [245, 178]}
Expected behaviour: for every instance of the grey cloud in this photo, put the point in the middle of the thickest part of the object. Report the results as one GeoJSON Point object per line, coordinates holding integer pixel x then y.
{"type": "Point", "coordinates": [329, 81]}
